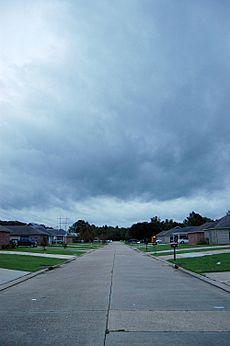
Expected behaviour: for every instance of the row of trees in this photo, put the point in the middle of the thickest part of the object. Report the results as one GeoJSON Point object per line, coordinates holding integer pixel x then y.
{"type": "Point", "coordinates": [140, 230]}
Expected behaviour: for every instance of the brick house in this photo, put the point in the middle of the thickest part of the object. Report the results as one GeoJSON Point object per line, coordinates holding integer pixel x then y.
{"type": "Point", "coordinates": [4, 237]}
{"type": "Point", "coordinates": [25, 231]}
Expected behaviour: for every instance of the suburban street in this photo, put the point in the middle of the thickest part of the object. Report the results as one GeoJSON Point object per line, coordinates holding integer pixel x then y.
{"type": "Point", "coordinates": [114, 296]}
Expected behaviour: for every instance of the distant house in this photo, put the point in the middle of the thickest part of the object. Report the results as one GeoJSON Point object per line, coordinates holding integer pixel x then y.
{"type": "Point", "coordinates": [198, 236]}
{"type": "Point", "coordinates": [26, 231]}
{"type": "Point", "coordinates": [182, 233]}
{"type": "Point", "coordinates": [55, 236]}
{"type": "Point", "coordinates": [165, 236]}
{"type": "Point", "coordinates": [4, 237]}
{"type": "Point", "coordinates": [219, 232]}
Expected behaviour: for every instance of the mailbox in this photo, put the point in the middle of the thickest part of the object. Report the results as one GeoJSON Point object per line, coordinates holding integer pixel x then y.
{"type": "Point", "coordinates": [174, 245]}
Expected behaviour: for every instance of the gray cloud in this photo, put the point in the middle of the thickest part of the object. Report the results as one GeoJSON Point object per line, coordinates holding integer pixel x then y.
{"type": "Point", "coordinates": [124, 100]}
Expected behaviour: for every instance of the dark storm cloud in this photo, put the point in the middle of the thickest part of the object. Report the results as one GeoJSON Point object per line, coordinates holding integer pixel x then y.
{"type": "Point", "coordinates": [124, 100]}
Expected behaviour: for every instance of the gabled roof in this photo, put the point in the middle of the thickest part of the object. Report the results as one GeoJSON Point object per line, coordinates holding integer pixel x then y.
{"type": "Point", "coordinates": [207, 225]}
{"type": "Point", "coordinates": [224, 222]}
{"type": "Point", "coordinates": [55, 232]}
{"type": "Point", "coordinates": [168, 232]}
{"type": "Point", "coordinates": [3, 229]}
{"type": "Point", "coordinates": [24, 230]}
{"type": "Point", "coordinates": [48, 230]}
{"type": "Point", "coordinates": [187, 229]}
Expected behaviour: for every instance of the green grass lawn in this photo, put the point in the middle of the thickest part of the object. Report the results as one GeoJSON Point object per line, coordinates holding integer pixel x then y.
{"type": "Point", "coordinates": [181, 251]}
{"type": "Point", "coordinates": [204, 264]}
{"type": "Point", "coordinates": [158, 248]}
{"type": "Point", "coordinates": [86, 246]}
{"type": "Point", "coordinates": [58, 250]}
{"type": "Point", "coordinates": [27, 263]}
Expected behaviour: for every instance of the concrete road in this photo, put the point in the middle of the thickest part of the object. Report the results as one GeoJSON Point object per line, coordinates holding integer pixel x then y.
{"type": "Point", "coordinates": [114, 296]}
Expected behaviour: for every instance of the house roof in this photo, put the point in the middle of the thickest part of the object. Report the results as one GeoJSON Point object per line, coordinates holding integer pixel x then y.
{"type": "Point", "coordinates": [55, 232]}
{"type": "Point", "coordinates": [3, 229]}
{"type": "Point", "coordinates": [24, 230]}
{"type": "Point", "coordinates": [187, 229]}
{"type": "Point", "coordinates": [48, 230]}
{"type": "Point", "coordinates": [168, 232]}
{"type": "Point", "coordinates": [206, 226]}
{"type": "Point", "coordinates": [224, 222]}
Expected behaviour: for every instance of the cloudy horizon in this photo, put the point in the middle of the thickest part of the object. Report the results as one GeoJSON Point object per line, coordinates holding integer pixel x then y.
{"type": "Point", "coordinates": [114, 112]}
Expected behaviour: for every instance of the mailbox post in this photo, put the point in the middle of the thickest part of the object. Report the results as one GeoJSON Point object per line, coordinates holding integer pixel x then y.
{"type": "Point", "coordinates": [174, 245]}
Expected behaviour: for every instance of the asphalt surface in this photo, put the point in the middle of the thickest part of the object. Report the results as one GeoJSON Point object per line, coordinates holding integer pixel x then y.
{"type": "Point", "coordinates": [114, 296]}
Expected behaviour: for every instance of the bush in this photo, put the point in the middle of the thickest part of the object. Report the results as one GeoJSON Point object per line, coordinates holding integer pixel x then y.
{"type": "Point", "coordinates": [202, 242]}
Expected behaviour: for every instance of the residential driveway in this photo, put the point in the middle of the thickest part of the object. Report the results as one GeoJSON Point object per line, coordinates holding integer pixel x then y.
{"type": "Point", "coordinates": [10, 275]}
{"type": "Point", "coordinates": [114, 296]}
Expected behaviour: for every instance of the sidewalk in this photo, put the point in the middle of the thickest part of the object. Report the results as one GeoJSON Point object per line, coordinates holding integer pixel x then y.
{"type": "Point", "coordinates": [193, 254]}
{"type": "Point", "coordinates": [37, 254]}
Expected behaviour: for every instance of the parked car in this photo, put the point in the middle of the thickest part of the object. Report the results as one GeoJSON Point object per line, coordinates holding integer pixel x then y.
{"type": "Point", "coordinates": [57, 241]}
{"type": "Point", "coordinates": [159, 241]}
{"type": "Point", "coordinates": [183, 241]}
{"type": "Point", "coordinates": [27, 242]}
{"type": "Point", "coordinates": [133, 241]}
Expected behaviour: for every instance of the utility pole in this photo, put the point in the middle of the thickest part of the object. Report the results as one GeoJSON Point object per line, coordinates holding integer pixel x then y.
{"type": "Point", "coordinates": [63, 220]}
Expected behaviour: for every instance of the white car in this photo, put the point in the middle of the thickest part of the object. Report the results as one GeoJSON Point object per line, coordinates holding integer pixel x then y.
{"type": "Point", "coordinates": [159, 241]}
{"type": "Point", "coordinates": [183, 241]}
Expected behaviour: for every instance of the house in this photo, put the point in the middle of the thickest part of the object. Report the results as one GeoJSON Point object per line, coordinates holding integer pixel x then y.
{"type": "Point", "coordinates": [219, 232]}
{"type": "Point", "coordinates": [181, 234]}
{"type": "Point", "coordinates": [198, 236]}
{"type": "Point", "coordinates": [4, 237]}
{"type": "Point", "coordinates": [165, 236]}
{"type": "Point", "coordinates": [25, 231]}
{"type": "Point", "coordinates": [55, 236]}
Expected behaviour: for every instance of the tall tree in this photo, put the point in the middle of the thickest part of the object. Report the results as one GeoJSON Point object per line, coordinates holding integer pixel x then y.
{"type": "Point", "coordinates": [195, 219]}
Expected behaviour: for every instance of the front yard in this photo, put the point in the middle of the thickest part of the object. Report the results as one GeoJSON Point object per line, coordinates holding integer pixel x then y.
{"type": "Point", "coordinates": [55, 250]}
{"type": "Point", "coordinates": [27, 263]}
{"type": "Point", "coordinates": [33, 263]}
{"type": "Point", "coordinates": [205, 264]}
{"type": "Point", "coordinates": [75, 249]}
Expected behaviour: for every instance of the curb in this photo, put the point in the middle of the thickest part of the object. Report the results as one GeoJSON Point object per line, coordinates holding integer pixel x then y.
{"type": "Point", "coordinates": [31, 275]}
{"type": "Point", "coordinates": [198, 276]}
{"type": "Point", "coordinates": [220, 285]}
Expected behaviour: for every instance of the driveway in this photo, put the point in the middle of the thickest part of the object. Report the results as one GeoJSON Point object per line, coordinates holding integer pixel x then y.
{"type": "Point", "coordinates": [114, 296]}
{"type": "Point", "coordinates": [7, 275]}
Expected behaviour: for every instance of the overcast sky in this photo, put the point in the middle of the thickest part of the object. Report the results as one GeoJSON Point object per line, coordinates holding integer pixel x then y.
{"type": "Point", "coordinates": [114, 111]}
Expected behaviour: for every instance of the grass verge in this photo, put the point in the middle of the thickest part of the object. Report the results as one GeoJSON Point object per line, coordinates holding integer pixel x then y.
{"type": "Point", "coordinates": [159, 253]}
{"type": "Point", "coordinates": [50, 250]}
{"type": "Point", "coordinates": [180, 247]}
{"type": "Point", "coordinates": [204, 264]}
{"type": "Point", "coordinates": [27, 263]}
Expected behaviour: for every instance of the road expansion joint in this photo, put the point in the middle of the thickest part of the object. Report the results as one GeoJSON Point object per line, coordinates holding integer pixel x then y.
{"type": "Point", "coordinates": [110, 295]}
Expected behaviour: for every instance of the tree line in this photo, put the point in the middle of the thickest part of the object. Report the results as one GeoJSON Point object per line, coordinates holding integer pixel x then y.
{"type": "Point", "coordinates": [141, 230]}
